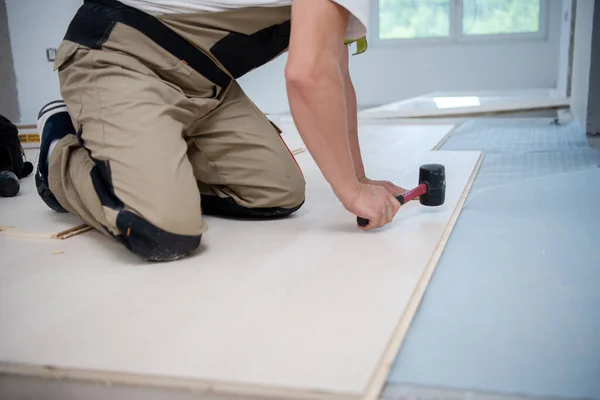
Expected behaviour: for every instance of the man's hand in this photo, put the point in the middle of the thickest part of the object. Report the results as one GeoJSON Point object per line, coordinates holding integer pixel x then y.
{"type": "Point", "coordinates": [387, 185]}
{"type": "Point", "coordinates": [375, 203]}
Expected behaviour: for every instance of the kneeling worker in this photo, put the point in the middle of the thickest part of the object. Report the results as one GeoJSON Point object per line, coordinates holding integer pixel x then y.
{"type": "Point", "coordinates": [154, 131]}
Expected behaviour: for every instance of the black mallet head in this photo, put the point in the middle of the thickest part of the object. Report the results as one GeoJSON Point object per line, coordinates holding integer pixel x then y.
{"type": "Point", "coordinates": [434, 177]}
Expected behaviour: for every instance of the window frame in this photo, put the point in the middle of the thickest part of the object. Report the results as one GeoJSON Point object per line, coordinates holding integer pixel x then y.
{"type": "Point", "coordinates": [456, 35]}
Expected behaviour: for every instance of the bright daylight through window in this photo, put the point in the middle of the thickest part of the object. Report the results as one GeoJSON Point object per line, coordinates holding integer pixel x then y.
{"type": "Point", "coordinates": [414, 19]}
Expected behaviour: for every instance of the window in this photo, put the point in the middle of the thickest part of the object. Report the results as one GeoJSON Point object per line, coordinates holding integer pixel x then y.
{"type": "Point", "coordinates": [500, 17]}
{"type": "Point", "coordinates": [409, 19]}
{"type": "Point", "coordinates": [458, 19]}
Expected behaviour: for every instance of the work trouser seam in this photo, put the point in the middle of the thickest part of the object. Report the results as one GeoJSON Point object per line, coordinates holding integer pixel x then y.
{"type": "Point", "coordinates": [112, 227]}
{"type": "Point", "coordinates": [210, 160]}
{"type": "Point", "coordinates": [219, 97]}
{"type": "Point", "coordinates": [276, 130]}
{"type": "Point", "coordinates": [74, 198]}
{"type": "Point", "coordinates": [97, 85]}
{"type": "Point", "coordinates": [106, 34]}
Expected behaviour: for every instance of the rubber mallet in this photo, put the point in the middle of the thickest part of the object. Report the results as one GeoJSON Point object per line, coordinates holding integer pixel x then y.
{"type": "Point", "coordinates": [431, 190]}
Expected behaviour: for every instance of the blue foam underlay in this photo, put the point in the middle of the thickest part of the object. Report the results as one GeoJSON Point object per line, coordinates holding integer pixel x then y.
{"type": "Point", "coordinates": [514, 304]}
{"type": "Point", "coordinates": [517, 136]}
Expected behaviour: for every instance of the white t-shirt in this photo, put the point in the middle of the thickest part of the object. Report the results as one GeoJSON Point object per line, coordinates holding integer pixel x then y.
{"type": "Point", "coordinates": [357, 26]}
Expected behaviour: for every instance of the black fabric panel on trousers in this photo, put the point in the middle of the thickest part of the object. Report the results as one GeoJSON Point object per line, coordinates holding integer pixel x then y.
{"type": "Point", "coordinates": [95, 20]}
{"type": "Point", "coordinates": [91, 26]}
{"type": "Point", "coordinates": [227, 207]}
{"type": "Point", "coordinates": [102, 182]}
{"type": "Point", "coordinates": [240, 53]}
{"type": "Point", "coordinates": [46, 195]}
{"type": "Point", "coordinates": [105, 173]}
{"type": "Point", "coordinates": [152, 243]}
{"type": "Point", "coordinates": [79, 137]}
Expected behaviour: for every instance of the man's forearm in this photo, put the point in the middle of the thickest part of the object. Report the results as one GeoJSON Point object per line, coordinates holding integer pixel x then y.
{"type": "Point", "coordinates": [316, 90]}
{"type": "Point", "coordinates": [352, 121]}
{"type": "Point", "coordinates": [318, 105]}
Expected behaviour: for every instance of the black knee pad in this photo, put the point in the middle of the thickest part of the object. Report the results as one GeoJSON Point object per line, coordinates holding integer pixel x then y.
{"type": "Point", "coordinates": [227, 207]}
{"type": "Point", "coordinates": [152, 243]}
{"type": "Point", "coordinates": [138, 235]}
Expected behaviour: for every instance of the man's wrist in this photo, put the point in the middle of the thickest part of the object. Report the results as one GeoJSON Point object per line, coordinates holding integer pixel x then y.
{"type": "Point", "coordinates": [347, 191]}
{"type": "Point", "coordinates": [360, 172]}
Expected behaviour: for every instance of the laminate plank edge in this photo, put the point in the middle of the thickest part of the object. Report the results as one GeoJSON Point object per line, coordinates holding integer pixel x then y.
{"type": "Point", "coordinates": [379, 377]}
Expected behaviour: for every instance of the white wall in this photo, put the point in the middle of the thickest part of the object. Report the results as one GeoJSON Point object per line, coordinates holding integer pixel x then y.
{"type": "Point", "coordinates": [383, 75]}
{"type": "Point", "coordinates": [35, 25]}
{"type": "Point", "coordinates": [581, 60]}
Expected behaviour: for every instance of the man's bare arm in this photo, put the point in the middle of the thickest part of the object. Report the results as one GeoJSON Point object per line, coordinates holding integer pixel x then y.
{"type": "Point", "coordinates": [352, 116]}
{"type": "Point", "coordinates": [316, 90]}
{"type": "Point", "coordinates": [317, 96]}
{"type": "Point", "coordinates": [352, 122]}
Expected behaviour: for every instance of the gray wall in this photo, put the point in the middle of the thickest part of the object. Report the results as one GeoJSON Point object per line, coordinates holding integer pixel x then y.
{"type": "Point", "coordinates": [36, 25]}
{"type": "Point", "coordinates": [580, 82]}
{"type": "Point", "coordinates": [593, 109]}
{"type": "Point", "coordinates": [9, 104]}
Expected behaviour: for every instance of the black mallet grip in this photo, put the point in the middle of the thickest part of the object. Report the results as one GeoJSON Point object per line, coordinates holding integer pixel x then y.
{"type": "Point", "coordinates": [403, 198]}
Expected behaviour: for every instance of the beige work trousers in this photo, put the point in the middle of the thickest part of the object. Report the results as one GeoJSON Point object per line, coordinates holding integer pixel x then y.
{"type": "Point", "coordinates": [158, 143]}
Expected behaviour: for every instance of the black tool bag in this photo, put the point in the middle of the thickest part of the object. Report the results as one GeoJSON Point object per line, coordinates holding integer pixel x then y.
{"type": "Point", "coordinates": [12, 156]}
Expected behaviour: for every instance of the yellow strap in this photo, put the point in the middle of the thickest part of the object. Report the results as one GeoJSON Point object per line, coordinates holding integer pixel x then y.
{"type": "Point", "coordinates": [361, 44]}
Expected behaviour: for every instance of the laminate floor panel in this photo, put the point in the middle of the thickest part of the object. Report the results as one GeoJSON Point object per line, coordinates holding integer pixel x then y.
{"type": "Point", "coordinates": [465, 104]}
{"type": "Point", "coordinates": [405, 139]}
{"type": "Point", "coordinates": [300, 308]}
{"type": "Point", "coordinates": [27, 213]}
